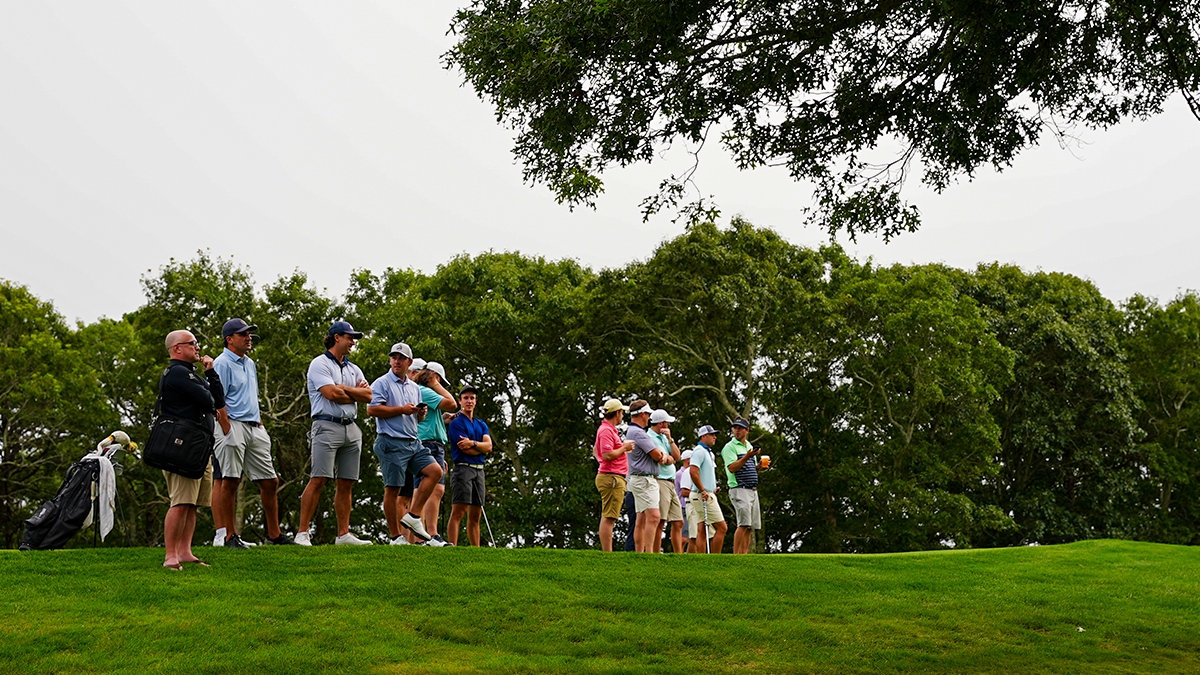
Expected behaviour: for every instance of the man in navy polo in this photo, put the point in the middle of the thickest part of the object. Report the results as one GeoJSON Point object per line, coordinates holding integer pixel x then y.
{"type": "Point", "coordinates": [398, 410]}
{"type": "Point", "coordinates": [470, 443]}
{"type": "Point", "coordinates": [335, 388]}
{"type": "Point", "coordinates": [243, 445]}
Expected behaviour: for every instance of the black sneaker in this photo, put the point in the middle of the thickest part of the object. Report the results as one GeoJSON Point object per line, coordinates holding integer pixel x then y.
{"type": "Point", "coordinates": [234, 541]}
{"type": "Point", "coordinates": [282, 540]}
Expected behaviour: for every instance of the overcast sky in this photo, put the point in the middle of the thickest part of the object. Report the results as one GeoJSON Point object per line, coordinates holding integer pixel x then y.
{"type": "Point", "coordinates": [326, 137]}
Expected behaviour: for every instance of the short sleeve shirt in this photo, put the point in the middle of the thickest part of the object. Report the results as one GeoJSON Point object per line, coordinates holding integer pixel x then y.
{"type": "Point", "coordinates": [323, 370]}
{"type": "Point", "coordinates": [239, 376]}
{"type": "Point", "coordinates": [640, 461]}
{"type": "Point", "coordinates": [463, 427]}
{"type": "Point", "coordinates": [432, 428]}
{"type": "Point", "coordinates": [607, 440]}
{"type": "Point", "coordinates": [702, 459]}
{"type": "Point", "coordinates": [748, 475]}
{"type": "Point", "coordinates": [665, 471]}
{"type": "Point", "coordinates": [390, 390]}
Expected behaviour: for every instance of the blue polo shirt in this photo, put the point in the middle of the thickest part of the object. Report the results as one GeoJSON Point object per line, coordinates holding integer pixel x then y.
{"type": "Point", "coordinates": [463, 427]}
{"type": "Point", "coordinates": [390, 390]}
{"type": "Point", "coordinates": [239, 377]}
{"type": "Point", "coordinates": [702, 459]}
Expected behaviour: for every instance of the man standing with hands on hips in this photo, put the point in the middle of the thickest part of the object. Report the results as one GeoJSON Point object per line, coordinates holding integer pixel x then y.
{"type": "Point", "coordinates": [243, 445]}
{"type": "Point", "coordinates": [335, 388]}
{"type": "Point", "coordinates": [470, 443]}
{"type": "Point", "coordinates": [741, 469]}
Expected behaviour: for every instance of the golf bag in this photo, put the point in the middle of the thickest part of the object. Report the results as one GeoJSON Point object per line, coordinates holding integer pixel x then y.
{"type": "Point", "coordinates": [59, 519]}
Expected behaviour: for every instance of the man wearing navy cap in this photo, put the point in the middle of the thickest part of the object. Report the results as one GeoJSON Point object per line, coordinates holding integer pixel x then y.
{"type": "Point", "coordinates": [335, 388]}
{"type": "Point", "coordinates": [243, 445]}
{"type": "Point", "coordinates": [741, 470]}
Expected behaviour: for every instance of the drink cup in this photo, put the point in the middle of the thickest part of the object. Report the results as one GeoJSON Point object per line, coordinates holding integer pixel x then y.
{"type": "Point", "coordinates": [766, 461]}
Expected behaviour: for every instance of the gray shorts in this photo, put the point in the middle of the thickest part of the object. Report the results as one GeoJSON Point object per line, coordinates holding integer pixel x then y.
{"type": "Point", "coordinates": [467, 485]}
{"type": "Point", "coordinates": [244, 451]}
{"type": "Point", "coordinates": [438, 452]}
{"type": "Point", "coordinates": [400, 459]}
{"type": "Point", "coordinates": [335, 449]}
{"type": "Point", "coordinates": [745, 507]}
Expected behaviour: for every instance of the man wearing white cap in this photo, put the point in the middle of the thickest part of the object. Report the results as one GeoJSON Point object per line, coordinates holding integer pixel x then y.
{"type": "Point", "coordinates": [335, 388]}
{"type": "Point", "coordinates": [668, 500]}
{"type": "Point", "coordinates": [609, 451]}
{"type": "Point", "coordinates": [431, 380]}
{"type": "Point", "coordinates": [703, 509]}
{"type": "Point", "coordinates": [683, 487]}
{"type": "Point", "coordinates": [398, 410]}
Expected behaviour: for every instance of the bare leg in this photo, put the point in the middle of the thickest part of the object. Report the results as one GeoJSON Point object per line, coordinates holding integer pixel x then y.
{"type": "Point", "coordinates": [718, 539]}
{"type": "Point", "coordinates": [172, 531]}
{"type": "Point", "coordinates": [741, 540]}
{"type": "Point", "coordinates": [677, 536]}
{"type": "Point", "coordinates": [473, 524]}
{"type": "Point", "coordinates": [456, 514]}
{"type": "Point", "coordinates": [391, 510]}
{"type": "Point", "coordinates": [606, 530]}
{"type": "Point", "coordinates": [433, 508]}
{"type": "Point", "coordinates": [698, 542]}
{"type": "Point", "coordinates": [268, 490]}
{"type": "Point", "coordinates": [341, 504]}
{"type": "Point", "coordinates": [309, 501]}
{"type": "Point", "coordinates": [432, 474]}
{"type": "Point", "coordinates": [224, 498]}
{"type": "Point", "coordinates": [647, 527]}
{"type": "Point", "coordinates": [183, 548]}
{"type": "Point", "coordinates": [657, 546]}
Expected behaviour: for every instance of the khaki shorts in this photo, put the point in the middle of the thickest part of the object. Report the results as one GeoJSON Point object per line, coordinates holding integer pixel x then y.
{"type": "Point", "coordinates": [190, 491]}
{"type": "Point", "coordinates": [244, 451]}
{"type": "Point", "coordinates": [696, 511]}
{"type": "Point", "coordinates": [611, 487]}
{"type": "Point", "coordinates": [668, 501]}
{"type": "Point", "coordinates": [645, 492]}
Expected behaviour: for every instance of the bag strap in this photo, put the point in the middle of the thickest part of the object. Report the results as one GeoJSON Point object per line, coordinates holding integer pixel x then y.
{"type": "Point", "coordinates": [158, 403]}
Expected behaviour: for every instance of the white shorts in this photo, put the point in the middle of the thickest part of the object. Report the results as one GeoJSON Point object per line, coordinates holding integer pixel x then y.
{"type": "Point", "coordinates": [246, 449]}
{"type": "Point", "coordinates": [645, 492]}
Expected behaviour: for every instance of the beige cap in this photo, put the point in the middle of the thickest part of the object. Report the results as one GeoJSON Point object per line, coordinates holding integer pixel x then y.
{"type": "Point", "coordinates": [612, 405]}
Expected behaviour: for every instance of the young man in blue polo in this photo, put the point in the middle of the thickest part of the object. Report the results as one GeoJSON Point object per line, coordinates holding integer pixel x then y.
{"type": "Point", "coordinates": [470, 443]}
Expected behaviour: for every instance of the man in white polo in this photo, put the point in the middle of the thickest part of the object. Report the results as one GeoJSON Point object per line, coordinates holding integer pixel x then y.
{"type": "Point", "coordinates": [335, 388]}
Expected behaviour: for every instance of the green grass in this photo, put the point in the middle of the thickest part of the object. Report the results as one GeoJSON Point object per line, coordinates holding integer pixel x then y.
{"type": "Point", "coordinates": [417, 610]}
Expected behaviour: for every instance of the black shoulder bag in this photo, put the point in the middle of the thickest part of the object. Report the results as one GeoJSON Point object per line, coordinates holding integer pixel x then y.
{"type": "Point", "coordinates": [177, 445]}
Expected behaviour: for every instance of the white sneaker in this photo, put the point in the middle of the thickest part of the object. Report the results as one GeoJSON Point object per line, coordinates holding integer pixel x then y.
{"type": "Point", "coordinates": [352, 540]}
{"type": "Point", "coordinates": [438, 541]}
{"type": "Point", "coordinates": [400, 541]}
{"type": "Point", "coordinates": [414, 523]}
{"type": "Point", "coordinates": [303, 539]}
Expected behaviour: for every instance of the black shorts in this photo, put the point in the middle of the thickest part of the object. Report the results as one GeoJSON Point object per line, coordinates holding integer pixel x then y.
{"type": "Point", "coordinates": [466, 485]}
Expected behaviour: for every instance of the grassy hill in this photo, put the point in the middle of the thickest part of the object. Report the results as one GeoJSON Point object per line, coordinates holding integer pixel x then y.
{"type": "Point", "coordinates": [1090, 607]}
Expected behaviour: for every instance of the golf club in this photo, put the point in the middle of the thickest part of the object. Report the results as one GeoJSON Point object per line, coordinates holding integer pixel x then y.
{"type": "Point", "coordinates": [489, 526]}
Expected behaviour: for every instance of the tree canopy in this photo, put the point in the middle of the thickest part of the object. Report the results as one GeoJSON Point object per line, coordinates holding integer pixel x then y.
{"type": "Point", "coordinates": [850, 95]}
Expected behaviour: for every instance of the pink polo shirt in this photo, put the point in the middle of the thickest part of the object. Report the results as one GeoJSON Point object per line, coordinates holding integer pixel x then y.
{"type": "Point", "coordinates": [607, 440]}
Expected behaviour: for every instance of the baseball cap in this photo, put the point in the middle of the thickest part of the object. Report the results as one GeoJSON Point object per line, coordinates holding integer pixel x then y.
{"type": "Point", "coordinates": [466, 388]}
{"type": "Point", "coordinates": [437, 368]}
{"type": "Point", "coordinates": [660, 416]}
{"type": "Point", "coordinates": [401, 349]}
{"type": "Point", "coordinates": [613, 405]}
{"type": "Point", "coordinates": [739, 422]}
{"type": "Point", "coordinates": [417, 364]}
{"type": "Point", "coordinates": [687, 454]}
{"type": "Point", "coordinates": [706, 430]}
{"type": "Point", "coordinates": [236, 325]}
{"type": "Point", "coordinates": [339, 327]}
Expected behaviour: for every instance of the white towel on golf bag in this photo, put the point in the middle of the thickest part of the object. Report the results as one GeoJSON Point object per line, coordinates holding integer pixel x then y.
{"type": "Point", "coordinates": [108, 495]}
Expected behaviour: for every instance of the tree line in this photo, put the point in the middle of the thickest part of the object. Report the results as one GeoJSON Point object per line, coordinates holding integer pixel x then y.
{"type": "Point", "coordinates": [904, 407]}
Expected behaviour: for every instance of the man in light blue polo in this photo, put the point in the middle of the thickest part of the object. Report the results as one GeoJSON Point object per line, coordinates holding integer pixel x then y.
{"type": "Point", "coordinates": [669, 508]}
{"type": "Point", "coordinates": [703, 509]}
{"type": "Point", "coordinates": [398, 410]}
{"type": "Point", "coordinates": [335, 388]}
{"type": "Point", "coordinates": [245, 448]}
